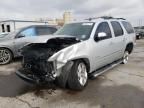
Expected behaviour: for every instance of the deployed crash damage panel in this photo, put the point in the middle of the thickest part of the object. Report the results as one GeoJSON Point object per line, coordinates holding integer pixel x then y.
{"type": "Point", "coordinates": [35, 67]}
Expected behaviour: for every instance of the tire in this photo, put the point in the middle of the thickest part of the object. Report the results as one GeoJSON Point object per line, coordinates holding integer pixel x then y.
{"type": "Point", "coordinates": [62, 79]}
{"type": "Point", "coordinates": [78, 76]}
{"type": "Point", "coordinates": [125, 57]}
{"type": "Point", "coordinates": [138, 37]}
{"type": "Point", "coordinates": [5, 56]}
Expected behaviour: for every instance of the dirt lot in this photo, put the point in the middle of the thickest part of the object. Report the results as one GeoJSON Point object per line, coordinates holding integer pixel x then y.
{"type": "Point", "coordinates": [121, 87]}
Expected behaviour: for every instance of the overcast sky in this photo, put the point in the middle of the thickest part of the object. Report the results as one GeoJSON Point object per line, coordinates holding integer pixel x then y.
{"type": "Point", "coordinates": [133, 10]}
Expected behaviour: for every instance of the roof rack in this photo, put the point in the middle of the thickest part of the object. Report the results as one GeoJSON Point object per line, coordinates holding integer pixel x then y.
{"type": "Point", "coordinates": [104, 17]}
{"type": "Point", "coordinates": [121, 18]}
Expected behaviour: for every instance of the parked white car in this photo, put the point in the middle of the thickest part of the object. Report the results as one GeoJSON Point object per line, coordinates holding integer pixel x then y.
{"type": "Point", "coordinates": [78, 50]}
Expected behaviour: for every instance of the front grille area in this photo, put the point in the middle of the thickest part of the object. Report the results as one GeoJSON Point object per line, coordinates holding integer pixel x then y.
{"type": "Point", "coordinates": [38, 66]}
{"type": "Point", "coordinates": [35, 60]}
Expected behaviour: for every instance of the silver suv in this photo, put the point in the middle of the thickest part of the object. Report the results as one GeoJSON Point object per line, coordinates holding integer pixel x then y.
{"type": "Point", "coordinates": [77, 51]}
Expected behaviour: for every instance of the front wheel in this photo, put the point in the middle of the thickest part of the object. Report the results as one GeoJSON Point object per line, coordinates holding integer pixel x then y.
{"type": "Point", "coordinates": [5, 56]}
{"type": "Point", "coordinates": [78, 76]}
{"type": "Point", "coordinates": [125, 57]}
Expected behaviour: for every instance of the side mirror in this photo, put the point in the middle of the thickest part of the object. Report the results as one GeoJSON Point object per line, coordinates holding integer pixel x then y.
{"type": "Point", "coordinates": [20, 36]}
{"type": "Point", "coordinates": [100, 36]}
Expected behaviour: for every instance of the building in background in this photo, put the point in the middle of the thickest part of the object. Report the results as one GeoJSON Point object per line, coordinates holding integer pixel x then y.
{"type": "Point", "coordinates": [59, 22]}
{"type": "Point", "coordinates": [67, 18]}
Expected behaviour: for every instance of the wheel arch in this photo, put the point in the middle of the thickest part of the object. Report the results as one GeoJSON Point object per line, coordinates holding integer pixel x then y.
{"type": "Point", "coordinates": [63, 78]}
{"type": "Point", "coordinates": [9, 50]}
{"type": "Point", "coordinates": [86, 61]}
{"type": "Point", "coordinates": [129, 47]}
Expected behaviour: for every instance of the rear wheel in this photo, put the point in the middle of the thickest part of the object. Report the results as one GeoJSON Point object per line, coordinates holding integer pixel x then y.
{"type": "Point", "coordinates": [78, 76]}
{"type": "Point", "coordinates": [138, 37]}
{"type": "Point", "coordinates": [5, 56]}
{"type": "Point", "coordinates": [125, 57]}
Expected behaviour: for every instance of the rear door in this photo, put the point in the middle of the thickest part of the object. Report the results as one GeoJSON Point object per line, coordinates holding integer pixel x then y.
{"type": "Point", "coordinates": [130, 34]}
{"type": "Point", "coordinates": [118, 40]}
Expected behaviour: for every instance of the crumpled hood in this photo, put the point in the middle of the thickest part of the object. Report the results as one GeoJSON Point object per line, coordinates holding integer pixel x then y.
{"type": "Point", "coordinates": [44, 39]}
{"type": "Point", "coordinates": [72, 52]}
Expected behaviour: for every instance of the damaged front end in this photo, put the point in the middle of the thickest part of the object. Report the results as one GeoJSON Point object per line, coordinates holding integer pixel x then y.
{"type": "Point", "coordinates": [35, 66]}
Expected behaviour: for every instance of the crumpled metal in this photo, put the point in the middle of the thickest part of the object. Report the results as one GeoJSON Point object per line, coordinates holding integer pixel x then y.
{"type": "Point", "coordinates": [72, 52]}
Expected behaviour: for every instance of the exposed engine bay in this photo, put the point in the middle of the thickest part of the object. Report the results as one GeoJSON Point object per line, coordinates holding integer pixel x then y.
{"type": "Point", "coordinates": [35, 66]}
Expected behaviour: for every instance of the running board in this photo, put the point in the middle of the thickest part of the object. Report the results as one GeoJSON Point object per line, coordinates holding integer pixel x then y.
{"type": "Point", "coordinates": [104, 69]}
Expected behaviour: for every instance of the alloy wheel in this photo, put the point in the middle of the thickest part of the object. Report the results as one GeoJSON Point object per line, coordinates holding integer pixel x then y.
{"type": "Point", "coordinates": [125, 57]}
{"type": "Point", "coordinates": [82, 74]}
{"type": "Point", "coordinates": [5, 56]}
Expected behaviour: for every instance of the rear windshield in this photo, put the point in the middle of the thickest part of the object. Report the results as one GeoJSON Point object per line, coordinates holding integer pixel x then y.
{"type": "Point", "coordinates": [78, 30]}
{"type": "Point", "coordinates": [128, 27]}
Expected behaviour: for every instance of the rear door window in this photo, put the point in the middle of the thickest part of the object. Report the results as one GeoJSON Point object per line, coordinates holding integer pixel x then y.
{"type": "Point", "coordinates": [118, 31]}
{"type": "Point", "coordinates": [128, 27]}
{"type": "Point", "coordinates": [45, 30]}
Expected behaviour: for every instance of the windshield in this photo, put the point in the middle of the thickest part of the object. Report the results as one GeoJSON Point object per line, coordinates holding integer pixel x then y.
{"type": "Point", "coordinates": [3, 35]}
{"type": "Point", "coordinates": [79, 30]}
{"type": "Point", "coordinates": [9, 35]}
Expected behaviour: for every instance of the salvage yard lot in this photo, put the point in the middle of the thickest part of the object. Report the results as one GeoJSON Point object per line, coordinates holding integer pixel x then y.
{"type": "Point", "coordinates": [120, 87]}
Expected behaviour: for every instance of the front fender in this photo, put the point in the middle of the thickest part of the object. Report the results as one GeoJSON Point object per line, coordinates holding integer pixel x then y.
{"type": "Point", "coordinates": [73, 52]}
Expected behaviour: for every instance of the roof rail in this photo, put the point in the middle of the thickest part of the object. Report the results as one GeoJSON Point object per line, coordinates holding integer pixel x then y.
{"type": "Point", "coordinates": [107, 17]}
{"type": "Point", "coordinates": [103, 17]}
{"type": "Point", "coordinates": [121, 18]}
{"type": "Point", "coordinates": [90, 19]}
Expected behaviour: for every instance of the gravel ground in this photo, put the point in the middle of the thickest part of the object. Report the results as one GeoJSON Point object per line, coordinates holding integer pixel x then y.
{"type": "Point", "coordinates": [120, 87]}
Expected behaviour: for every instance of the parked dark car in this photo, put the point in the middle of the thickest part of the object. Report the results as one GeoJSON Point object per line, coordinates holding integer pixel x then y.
{"type": "Point", "coordinates": [11, 43]}
{"type": "Point", "coordinates": [139, 33]}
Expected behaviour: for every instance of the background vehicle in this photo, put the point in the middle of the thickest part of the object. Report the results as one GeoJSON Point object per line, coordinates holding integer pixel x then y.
{"type": "Point", "coordinates": [78, 50]}
{"type": "Point", "coordinates": [139, 35]}
{"type": "Point", "coordinates": [11, 43]}
{"type": "Point", "coordinates": [139, 32]}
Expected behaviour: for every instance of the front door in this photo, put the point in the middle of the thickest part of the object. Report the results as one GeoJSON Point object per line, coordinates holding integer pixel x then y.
{"type": "Point", "coordinates": [22, 38]}
{"type": "Point", "coordinates": [102, 49]}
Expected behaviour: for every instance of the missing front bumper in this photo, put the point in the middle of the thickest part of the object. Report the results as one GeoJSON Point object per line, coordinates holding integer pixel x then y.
{"type": "Point", "coordinates": [30, 77]}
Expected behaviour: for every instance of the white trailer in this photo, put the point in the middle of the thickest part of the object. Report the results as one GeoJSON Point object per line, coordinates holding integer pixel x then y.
{"type": "Point", "coordinates": [12, 25]}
